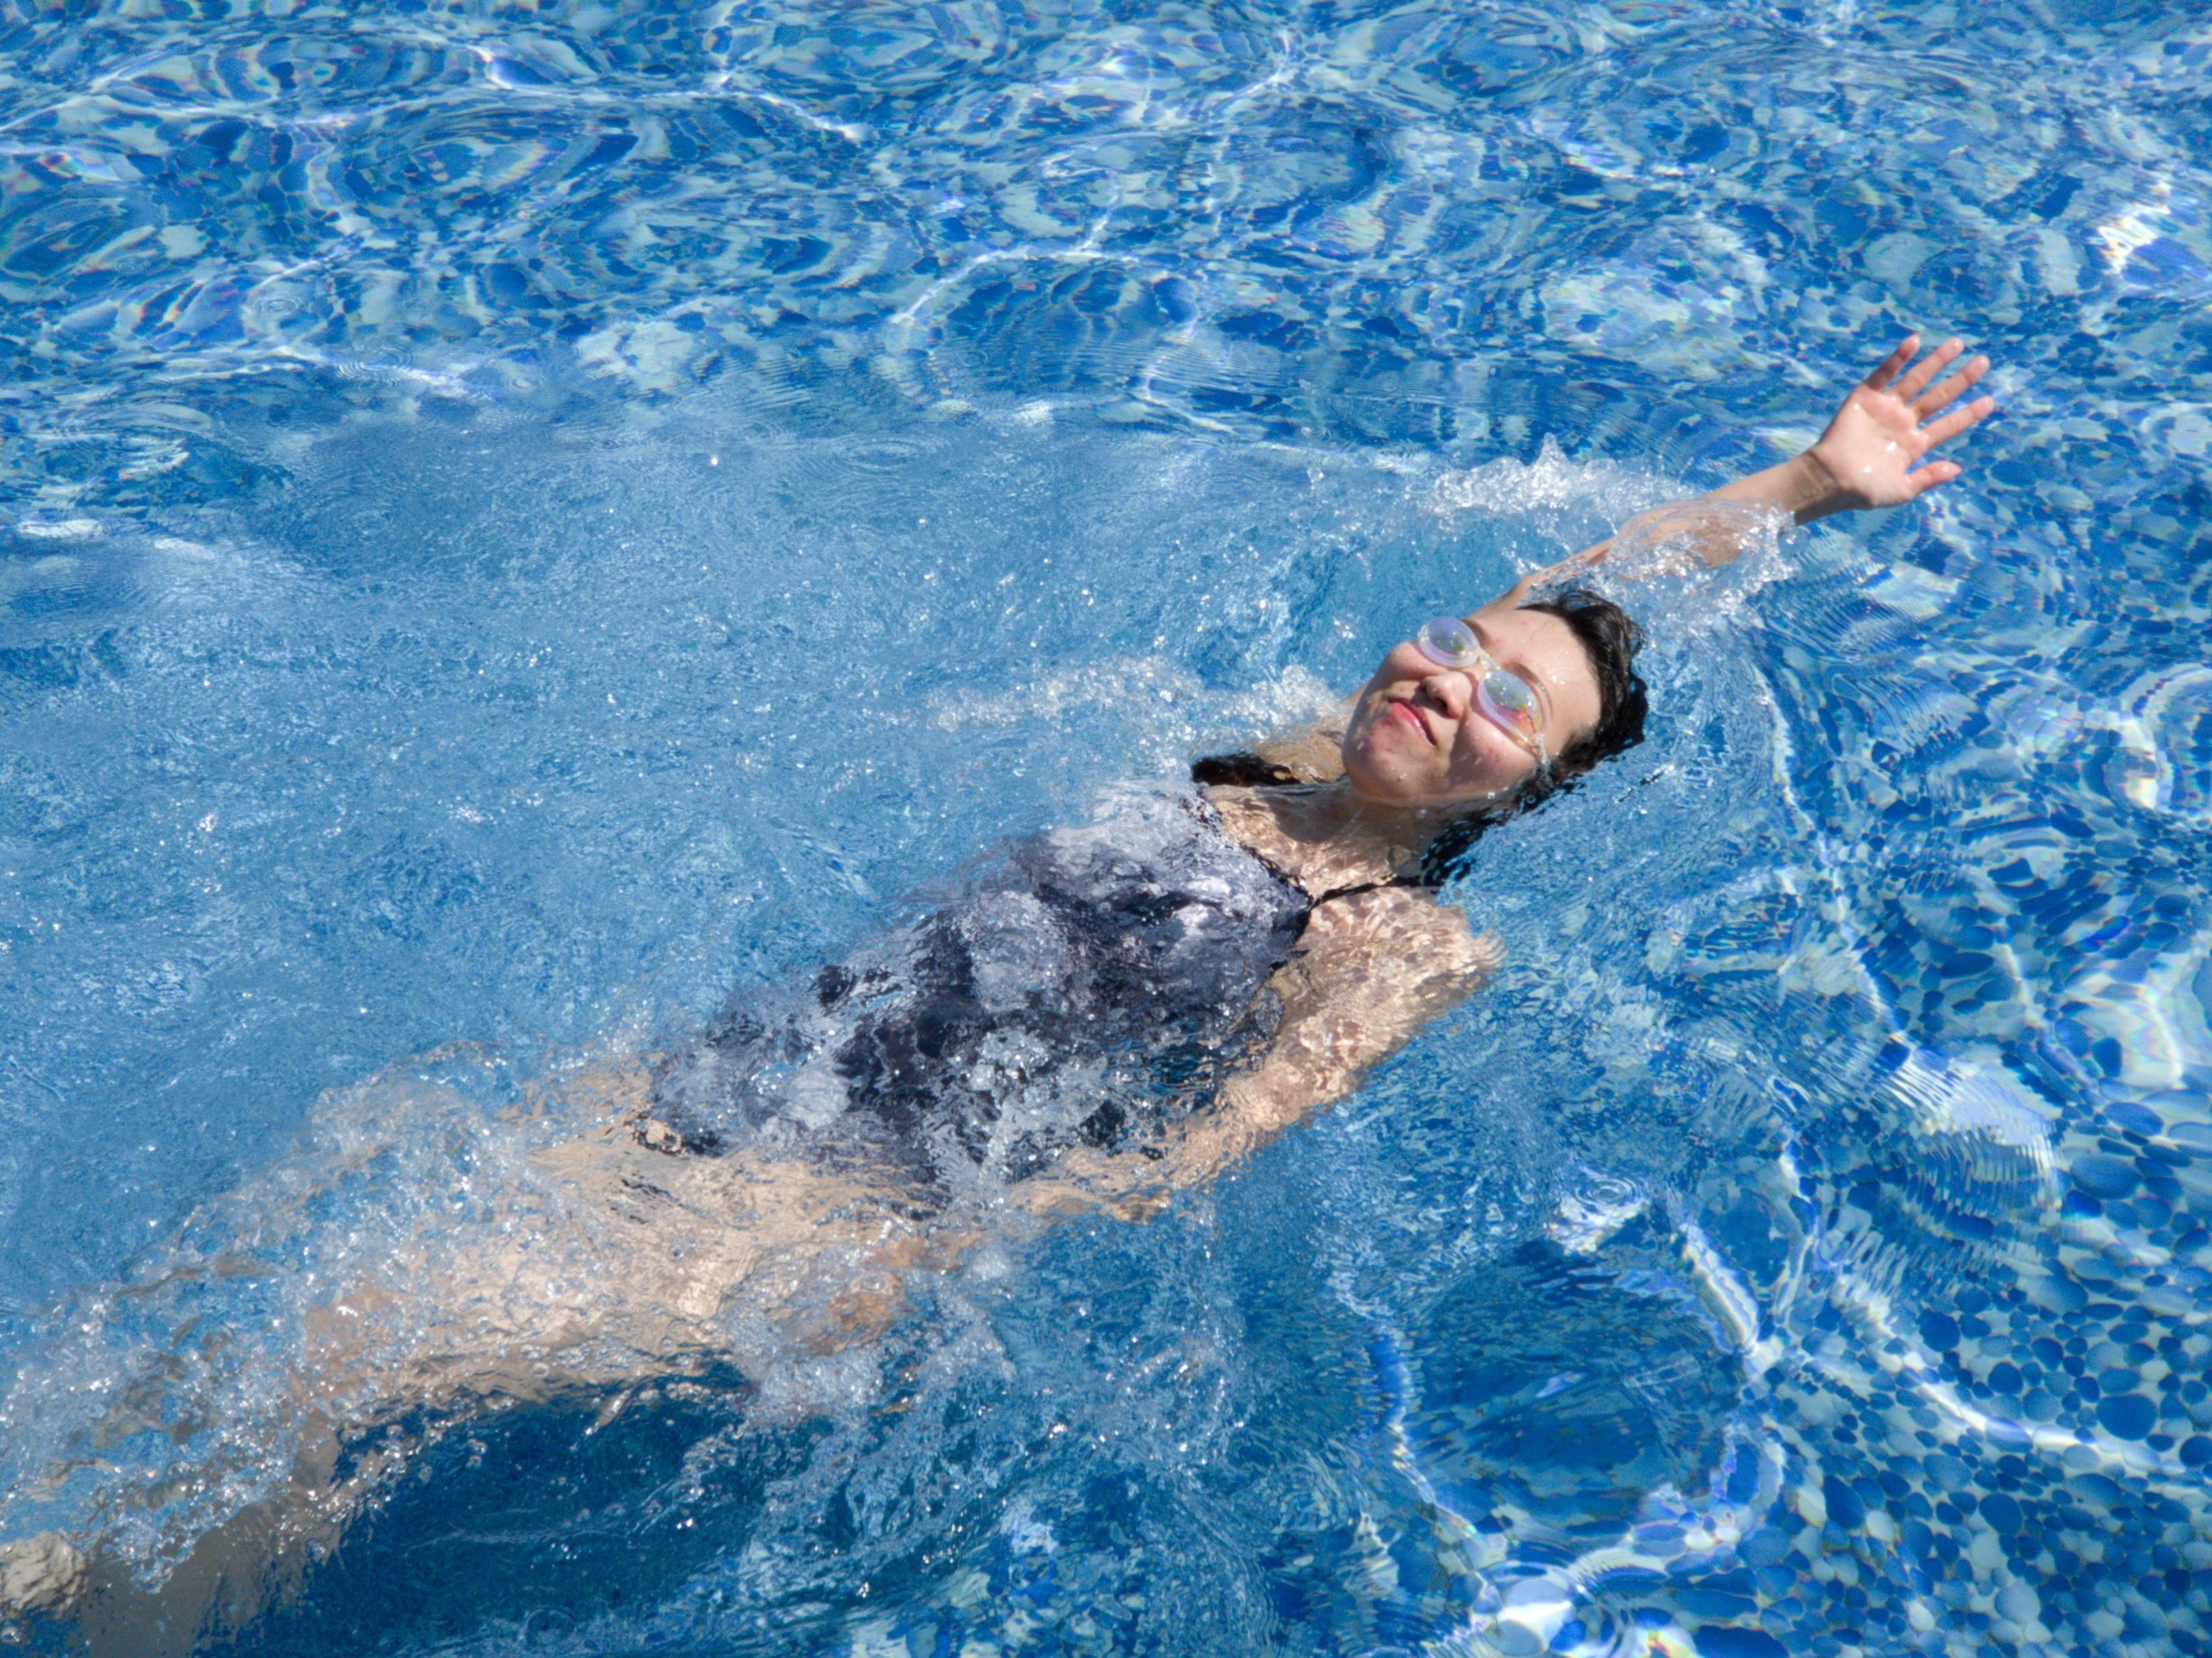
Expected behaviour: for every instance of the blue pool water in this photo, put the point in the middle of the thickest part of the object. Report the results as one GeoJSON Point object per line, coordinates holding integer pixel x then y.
{"type": "Point", "coordinates": [521, 521]}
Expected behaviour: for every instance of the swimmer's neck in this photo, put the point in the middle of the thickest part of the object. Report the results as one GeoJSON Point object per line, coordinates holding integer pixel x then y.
{"type": "Point", "coordinates": [1324, 836]}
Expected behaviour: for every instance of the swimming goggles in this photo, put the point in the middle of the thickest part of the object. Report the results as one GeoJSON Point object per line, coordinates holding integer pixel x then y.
{"type": "Point", "coordinates": [1505, 700]}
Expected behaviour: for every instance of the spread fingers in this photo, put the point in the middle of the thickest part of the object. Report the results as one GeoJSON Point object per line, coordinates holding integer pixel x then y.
{"type": "Point", "coordinates": [1957, 421]}
{"type": "Point", "coordinates": [1929, 402]}
{"type": "Point", "coordinates": [1916, 382]}
{"type": "Point", "coordinates": [1885, 370]}
{"type": "Point", "coordinates": [1936, 472]}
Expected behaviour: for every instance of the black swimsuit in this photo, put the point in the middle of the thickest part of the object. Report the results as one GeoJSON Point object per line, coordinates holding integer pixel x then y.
{"type": "Point", "coordinates": [1097, 985]}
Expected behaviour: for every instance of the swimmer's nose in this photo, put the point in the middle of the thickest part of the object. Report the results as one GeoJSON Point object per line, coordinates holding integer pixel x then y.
{"type": "Point", "coordinates": [1451, 692]}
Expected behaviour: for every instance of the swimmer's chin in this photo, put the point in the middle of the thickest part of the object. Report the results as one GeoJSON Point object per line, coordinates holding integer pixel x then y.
{"type": "Point", "coordinates": [1391, 767]}
{"type": "Point", "coordinates": [1376, 789]}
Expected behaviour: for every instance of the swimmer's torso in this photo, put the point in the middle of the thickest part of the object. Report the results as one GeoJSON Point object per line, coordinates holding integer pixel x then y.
{"type": "Point", "coordinates": [1096, 986]}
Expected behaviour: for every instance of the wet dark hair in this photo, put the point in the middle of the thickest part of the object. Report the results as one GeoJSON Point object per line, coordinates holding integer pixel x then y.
{"type": "Point", "coordinates": [1609, 637]}
{"type": "Point", "coordinates": [1242, 770]}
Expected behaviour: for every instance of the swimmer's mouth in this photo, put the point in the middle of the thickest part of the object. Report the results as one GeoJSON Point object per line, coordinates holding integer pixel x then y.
{"type": "Point", "coordinates": [1415, 718]}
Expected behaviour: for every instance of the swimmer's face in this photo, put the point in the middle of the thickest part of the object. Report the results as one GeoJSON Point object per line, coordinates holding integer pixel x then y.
{"type": "Point", "coordinates": [1416, 738]}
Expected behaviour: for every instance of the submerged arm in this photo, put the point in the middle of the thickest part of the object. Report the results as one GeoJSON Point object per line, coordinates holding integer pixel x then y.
{"type": "Point", "coordinates": [1872, 455]}
{"type": "Point", "coordinates": [1370, 969]}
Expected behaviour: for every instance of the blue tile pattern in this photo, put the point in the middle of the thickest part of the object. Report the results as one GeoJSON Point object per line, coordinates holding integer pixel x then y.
{"type": "Point", "coordinates": [441, 446]}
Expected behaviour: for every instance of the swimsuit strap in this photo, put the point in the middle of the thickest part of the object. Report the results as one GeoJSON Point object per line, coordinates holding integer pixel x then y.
{"type": "Point", "coordinates": [1412, 881]}
{"type": "Point", "coordinates": [1210, 815]}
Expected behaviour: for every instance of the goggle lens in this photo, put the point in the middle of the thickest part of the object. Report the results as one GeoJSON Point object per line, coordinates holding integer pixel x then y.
{"type": "Point", "coordinates": [1507, 701]}
{"type": "Point", "coordinates": [1448, 643]}
{"type": "Point", "coordinates": [1503, 699]}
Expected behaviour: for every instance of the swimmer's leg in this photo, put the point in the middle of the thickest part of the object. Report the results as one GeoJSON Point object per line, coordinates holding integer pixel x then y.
{"type": "Point", "coordinates": [604, 1265]}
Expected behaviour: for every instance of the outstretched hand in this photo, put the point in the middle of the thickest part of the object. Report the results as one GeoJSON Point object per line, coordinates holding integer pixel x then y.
{"type": "Point", "coordinates": [1873, 454]}
{"type": "Point", "coordinates": [1873, 449]}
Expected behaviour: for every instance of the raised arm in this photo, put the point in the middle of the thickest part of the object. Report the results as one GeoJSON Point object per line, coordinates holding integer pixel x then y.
{"type": "Point", "coordinates": [1873, 454]}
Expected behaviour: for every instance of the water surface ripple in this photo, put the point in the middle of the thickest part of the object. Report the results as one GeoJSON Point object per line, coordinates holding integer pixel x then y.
{"type": "Point", "coordinates": [516, 520]}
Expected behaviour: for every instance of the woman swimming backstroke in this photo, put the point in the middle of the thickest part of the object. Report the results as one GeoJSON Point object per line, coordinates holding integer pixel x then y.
{"type": "Point", "coordinates": [1109, 1014]}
